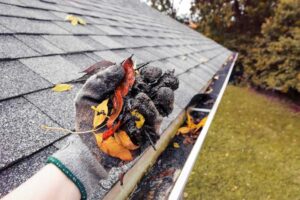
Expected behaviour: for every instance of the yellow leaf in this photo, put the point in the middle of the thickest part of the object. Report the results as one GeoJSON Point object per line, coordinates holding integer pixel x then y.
{"type": "Point", "coordinates": [74, 22]}
{"type": "Point", "coordinates": [140, 119]}
{"type": "Point", "coordinates": [176, 145]}
{"type": "Point", "coordinates": [123, 139]}
{"type": "Point", "coordinates": [100, 113]}
{"type": "Point", "coordinates": [62, 87]}
{"type": "Point", "coordinates": [111, 147]}
{"type": "Point", "coordinates": [184, 130]}
{"type": "Point", "coordinates": [190, 121]}
{"type": "Point", "coordinates": [200, 124]}
{"type": "Point", "coordinates": [81, 21]}
{"type": "Point", "coordinates": [69, 17]}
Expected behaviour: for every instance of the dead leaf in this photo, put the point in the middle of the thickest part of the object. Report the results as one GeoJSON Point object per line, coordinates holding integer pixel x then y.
{"type": "Point", "coordinates": [123, 139]}
{"type": "Point", "coordinates": [200, 124]}
{"type": "Point", "coordinates": [99, 65]}
{"type": "Point", "coordinates": [209, 90]}
{"type": "Point", "coordinates": [62, 87]}
{"type": "Point", "coordinates": [176, 145]}
{"type": "Point", "coordinates": [184, 130]}
{"type": "Point", "coordinates": [101, 112]}
{"type": "Point", "coordinates": [75, 20]}
{"type": "Point", "coordinates": [140, 119]}
{"type": "Point", "coordinates": [111, 147]}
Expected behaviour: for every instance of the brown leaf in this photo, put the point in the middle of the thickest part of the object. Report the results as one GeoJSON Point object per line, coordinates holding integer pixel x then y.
{"type": "Point", "coordinates": [99, 65]}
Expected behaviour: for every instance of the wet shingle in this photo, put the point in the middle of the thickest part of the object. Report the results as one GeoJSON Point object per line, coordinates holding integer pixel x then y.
{"type": "Point", "coordinates": [10, 47]}
{"type": "Point", "coordinates": [53, 68]}
{"type": "Point", "coordinates": [21, 132]}
{"type": "Point", "coordinates": [17, 79]}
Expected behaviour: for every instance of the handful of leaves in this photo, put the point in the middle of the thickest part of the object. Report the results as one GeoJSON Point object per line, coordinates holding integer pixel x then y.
{"type": "Point", "coordinates": [131, 115]}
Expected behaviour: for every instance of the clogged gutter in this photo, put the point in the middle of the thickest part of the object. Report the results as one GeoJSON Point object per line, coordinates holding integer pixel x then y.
{"type": "Point", "coordinates": [160, 179]}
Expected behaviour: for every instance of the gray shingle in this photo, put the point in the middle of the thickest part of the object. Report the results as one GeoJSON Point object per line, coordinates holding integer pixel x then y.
{"type": "Point", "coordinates": [20, 172]}
{"type": "Point", "coordinates": [109, 30]}
{"type": "Point", "coordinates": [184, 94]}
{"type": "Point", "coordinates": [108, 42]}
{"type": "Point", "coordinates": [91, 42]}
{"type": "Point", "coordinates": [80, 60]}
{"type": "Point", "coordinates": [57, 105]}
{"type": "Point", "coordinates": [39, 44]}
{"type": "Point", "coordinates": [68, 43]}
{"type": "Point", "coordinates": [10, 47]}
{"type": "Point", "coordinates": [17, 79]}
{"type": "Point", "coordinates": [21, 132]}
{"type": "Point", "coordinates": [79, 29]}
{"type": "Point", "coordinates": [193, 80]}
{"type": "Point", "coordinates": [53, 68]}
{"type": "Point", "coordinates": [109, 55]}
{"type": "Point", "coordinates": [21, 25]}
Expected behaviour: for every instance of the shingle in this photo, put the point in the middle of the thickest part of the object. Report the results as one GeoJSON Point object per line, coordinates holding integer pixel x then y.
{"type": "Point", "coordinates": [53, 68]}
{"type": "Point", "coordinates": [39, 44]}
{"type": "Point", "coordinates": [109, 55]}
{"type": "Point", "coordinates": [171, 66]}
{"type": "Point", "coordinates": [80, 60]}
{"type": "Point", "coordinates": [109, 30]}
{"type": "Point", "coordinates": [4, 30]}
{"type": "Point", "coordinates": [17, 79]}
{"type": "Point", "coordinates": [193, 80]}
{"type": "Point", "coordinates": [91, 42]}
{"type": "Point", "coordinates": [21, 25]}
{"type": "Point", "coordinates": [10, 47]}
{"type": "Point", "coordinates": [68, 43]}
{"type": "Point", "coordinates": [20, 172]}
{"type": "Point", "coordinates": [184, 94]}
{"type": "Point", "coordinates": [143, 55]}
{"type": "Point", "coordinates": [57, 105]}
{"type": "Point", "coordinates": [21, 132]}
{"type": "Point", "coordinates": [108, 42]}
{"type": "Point", "coordinates": [79, 29]}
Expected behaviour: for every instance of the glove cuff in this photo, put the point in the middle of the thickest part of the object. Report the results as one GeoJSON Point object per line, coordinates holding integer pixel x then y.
{"type": "Point", "coordinates": [70, 175]}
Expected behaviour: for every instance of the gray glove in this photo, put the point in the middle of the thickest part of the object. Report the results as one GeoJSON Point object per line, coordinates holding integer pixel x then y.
{"type": "Point", "coordinates": [89, 168]}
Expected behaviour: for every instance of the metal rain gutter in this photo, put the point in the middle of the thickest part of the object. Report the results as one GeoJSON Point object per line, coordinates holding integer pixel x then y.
{"type": "Point", "coordinates": [179, 186]}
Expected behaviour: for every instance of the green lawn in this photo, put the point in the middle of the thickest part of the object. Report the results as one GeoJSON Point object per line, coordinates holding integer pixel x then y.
{"type": "Point", "coordinates": [252, 151]}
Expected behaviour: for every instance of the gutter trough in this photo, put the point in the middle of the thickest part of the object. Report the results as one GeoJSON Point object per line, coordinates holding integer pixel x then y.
{"type": "Point", "coordinates": [163, 173]}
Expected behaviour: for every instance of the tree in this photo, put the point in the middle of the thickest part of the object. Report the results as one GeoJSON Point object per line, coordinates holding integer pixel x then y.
{"type": "Point", "coordinates": [275, 62]}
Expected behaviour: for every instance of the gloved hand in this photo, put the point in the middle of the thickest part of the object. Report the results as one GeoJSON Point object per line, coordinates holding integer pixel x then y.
{"type": "Point", "coordinates": [81, 160]}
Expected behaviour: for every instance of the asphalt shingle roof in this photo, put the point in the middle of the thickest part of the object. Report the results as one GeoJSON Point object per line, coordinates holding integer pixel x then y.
{"type": "Point", "coordinates": [38, 49]}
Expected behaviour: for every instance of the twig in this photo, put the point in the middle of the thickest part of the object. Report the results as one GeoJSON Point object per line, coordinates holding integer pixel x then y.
{"type": "Point", "coordinates": [47, 128]}
{"type": "Point", "coordinates": [151, 142]}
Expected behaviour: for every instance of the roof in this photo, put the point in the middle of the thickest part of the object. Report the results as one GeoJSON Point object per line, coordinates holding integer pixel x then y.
{"type": "Point", "coordinates": [39, 49]}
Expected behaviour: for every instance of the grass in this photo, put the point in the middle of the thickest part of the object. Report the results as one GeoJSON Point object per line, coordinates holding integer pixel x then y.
{"type": "Point", "coordinates": [252, 151]}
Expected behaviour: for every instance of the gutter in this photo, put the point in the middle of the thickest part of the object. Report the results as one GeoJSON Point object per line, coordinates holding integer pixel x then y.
{"type": "Point", "coordinates": [149, 156]}
{"type": "Point", "coordinates": [179, 186]}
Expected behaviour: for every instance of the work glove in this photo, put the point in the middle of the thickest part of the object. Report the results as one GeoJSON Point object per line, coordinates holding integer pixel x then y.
{"type": "Point", "coordinates": [93, 171]}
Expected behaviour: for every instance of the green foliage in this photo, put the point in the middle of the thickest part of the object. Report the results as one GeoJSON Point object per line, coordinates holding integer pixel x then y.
{"type": "Point", "coordinates": [264, 32]}
{"type": "Point", "coordinates": [251, 151]}
{"type": "Point", "coordinates": [276, 61]}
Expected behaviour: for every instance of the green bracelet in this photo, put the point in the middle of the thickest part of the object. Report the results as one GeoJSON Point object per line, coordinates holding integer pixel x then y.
{"type": "Point", "coordinates": [70, 175]}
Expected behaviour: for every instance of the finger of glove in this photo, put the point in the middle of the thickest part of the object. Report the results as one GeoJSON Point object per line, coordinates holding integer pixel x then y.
{"type": "Point", "coordinates": [164, 101]}
{"type": "Point", "coordinates": [144, 105]}
{"type": "Point", "coordinates": [96, 89]}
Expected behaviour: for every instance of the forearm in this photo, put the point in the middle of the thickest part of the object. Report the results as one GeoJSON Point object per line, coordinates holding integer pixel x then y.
{"type": "Point", "coordinates": [48, 184]}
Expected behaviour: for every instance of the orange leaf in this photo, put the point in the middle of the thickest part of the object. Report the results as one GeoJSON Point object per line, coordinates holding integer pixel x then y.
{"type": "Point", "coordinates": [184, 130]}
{"type": "Point", "coordinates": [111, 147]}
{"type": "Point", "coordinates": [123, 139]}
{"type": "Point", "coordinates": [190, 121]}
{"type": "Point", "coordinates": [200, 124]}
